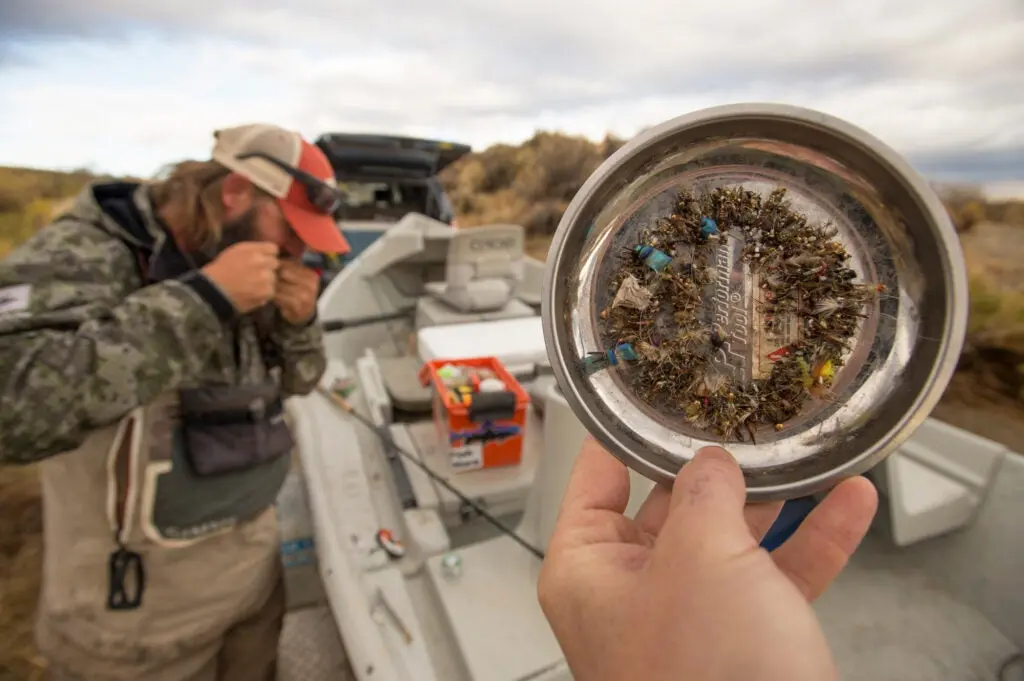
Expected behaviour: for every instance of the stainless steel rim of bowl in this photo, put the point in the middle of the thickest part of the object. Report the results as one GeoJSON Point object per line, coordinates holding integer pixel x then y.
{"type": "Point", "coordinates": [953, 275]}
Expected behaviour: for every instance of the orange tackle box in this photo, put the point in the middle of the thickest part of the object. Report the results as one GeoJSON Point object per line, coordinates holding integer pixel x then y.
{"type": "Point", "coordinates": [480, 429]}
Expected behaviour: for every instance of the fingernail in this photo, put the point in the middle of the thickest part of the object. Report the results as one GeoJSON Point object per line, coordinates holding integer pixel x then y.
{"type": "Point", "coordinates": [714, 451]}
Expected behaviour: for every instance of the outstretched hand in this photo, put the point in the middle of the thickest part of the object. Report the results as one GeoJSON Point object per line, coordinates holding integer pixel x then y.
{"type": "Point", "coordinates": [684, 591]}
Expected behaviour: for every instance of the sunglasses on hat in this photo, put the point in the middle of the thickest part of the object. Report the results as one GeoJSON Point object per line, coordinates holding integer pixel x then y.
{"type": "Point", "coordinates": [325, 198]}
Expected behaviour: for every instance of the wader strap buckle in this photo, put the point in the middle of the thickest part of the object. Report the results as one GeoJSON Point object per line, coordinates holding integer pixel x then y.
{"type": "Point", "coordinates": [125, 572]}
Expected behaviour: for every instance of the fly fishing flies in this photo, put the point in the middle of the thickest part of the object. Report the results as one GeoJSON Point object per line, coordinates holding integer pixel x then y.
{"type": "Point", "coordinates": [664, 321]}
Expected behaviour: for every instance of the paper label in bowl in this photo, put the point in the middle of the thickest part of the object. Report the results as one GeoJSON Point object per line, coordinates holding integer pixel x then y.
{"type": "Point", "coordinates": [769, 344]}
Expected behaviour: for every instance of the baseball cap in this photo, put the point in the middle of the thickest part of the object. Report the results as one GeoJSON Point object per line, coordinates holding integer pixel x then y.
{"type": "Point", "coordinates": [295, 172]}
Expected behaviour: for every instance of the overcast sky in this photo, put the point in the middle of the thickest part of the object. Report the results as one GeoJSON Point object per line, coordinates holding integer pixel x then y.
{"type": "Point", "coordinates": [125, 86]}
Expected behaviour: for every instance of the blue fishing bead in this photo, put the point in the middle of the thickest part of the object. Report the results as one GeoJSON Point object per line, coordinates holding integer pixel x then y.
{"type": "Point", "coordinates": [708, 227]}
{"type": "Point", "coordinates": [657, 260]}
{"type": "Point", "coordinates": [652, 257]}
{"type": "Point", "coordinates": [625, 351]}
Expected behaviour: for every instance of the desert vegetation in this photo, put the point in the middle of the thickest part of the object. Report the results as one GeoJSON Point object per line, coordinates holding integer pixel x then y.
{"type": "Point", "coordinates": [532, 184]}
{"type": "Point", "coordinates": [29, 197]}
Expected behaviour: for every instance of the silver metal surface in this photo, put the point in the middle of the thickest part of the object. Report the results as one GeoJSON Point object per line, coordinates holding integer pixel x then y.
{"type": "Point", "coordinates": [890, 221]}
{"type": "Point", "coordinates": [311, 648]}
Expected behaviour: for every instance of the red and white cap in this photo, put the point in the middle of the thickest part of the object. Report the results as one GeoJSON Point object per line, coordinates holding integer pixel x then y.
{"type": "Point", "coordinates": [295, 172]}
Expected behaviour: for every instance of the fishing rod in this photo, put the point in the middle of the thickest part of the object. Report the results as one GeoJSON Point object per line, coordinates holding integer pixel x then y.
{"type": "Point", "coordinates": [346, 324]}
{"type": "Point", "coordinates": [389, 442]}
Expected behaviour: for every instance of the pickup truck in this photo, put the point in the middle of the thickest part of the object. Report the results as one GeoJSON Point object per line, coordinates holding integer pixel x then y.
{"type": "Point", "coordinates": [384, 177]}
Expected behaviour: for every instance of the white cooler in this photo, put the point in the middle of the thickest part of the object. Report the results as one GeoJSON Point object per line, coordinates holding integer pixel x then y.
{"type": "Point", "coordinates": [518, 343]}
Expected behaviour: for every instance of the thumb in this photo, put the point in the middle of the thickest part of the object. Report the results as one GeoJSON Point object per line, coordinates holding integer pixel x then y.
{"type": "Point", "coordinates": [705, 520]}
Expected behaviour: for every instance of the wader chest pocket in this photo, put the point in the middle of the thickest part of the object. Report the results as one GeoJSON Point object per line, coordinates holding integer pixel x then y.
{"type": "Point", "coordinates": [233, 428]}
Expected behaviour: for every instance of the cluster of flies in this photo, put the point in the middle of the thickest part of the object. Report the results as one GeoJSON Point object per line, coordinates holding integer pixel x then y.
{"type": "Point", "coordinates": [657, 329]}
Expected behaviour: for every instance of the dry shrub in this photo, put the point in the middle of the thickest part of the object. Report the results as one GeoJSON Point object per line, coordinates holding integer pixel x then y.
{"type": "Point", "coordinates": [18, 226]}
{"type": "Point", "coordinates": [27, 197]}
{"type": "Point", "coordinates": [11, 199]}
{"type": "Point", "coordinates": [501, 206]}
{"type": "Point", "coordinates": [968, 206]}
{"type": "Point", "coordinates": [537, 247]}
{"type": "Point", "coordinates": [996, 318]}
{"type": "Point", "coordinates": [477, 176]}
{"type": "Point", "coordinates": [498, 169]}
{"type": "Point", "coordinates": [554, 166]}
{"type": "Point", "coordinates": [543, 217]}
{"type": "Point", "coordinates": [994, 345]}
{"type": "Point", "coordinates": [966, 215]}
{"type": "Point", "coordinates": [530, 185]}
{"type": "Point", "coordinates": [21, 550]}
{"type": "Point", "coordinates": [965, 205]}
{"type": "Point", "coordinates": [1009, 212]}
{"type": "Point", "coordinates": [609, 145]}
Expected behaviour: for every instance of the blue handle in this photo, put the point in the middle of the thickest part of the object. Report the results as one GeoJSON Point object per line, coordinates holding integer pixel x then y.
{"type": "Point", "coordinates": [793, 513]}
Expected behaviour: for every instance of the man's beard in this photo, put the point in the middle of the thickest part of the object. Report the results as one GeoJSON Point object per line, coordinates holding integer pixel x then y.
{"type": "Point", "coordinates": [234, 231]}
{"type": "Point", "coordinates": [237, 230]}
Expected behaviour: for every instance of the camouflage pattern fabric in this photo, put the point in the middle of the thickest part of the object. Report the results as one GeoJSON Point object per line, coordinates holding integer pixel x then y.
{"type": "Point", "coordinates": [92, 359]}
{"type": "Point", "coordinates": [82, 342]}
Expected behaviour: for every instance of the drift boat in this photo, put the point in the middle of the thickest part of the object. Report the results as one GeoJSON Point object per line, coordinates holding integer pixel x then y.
{"type": "Point", "coordinates": [393, 576]}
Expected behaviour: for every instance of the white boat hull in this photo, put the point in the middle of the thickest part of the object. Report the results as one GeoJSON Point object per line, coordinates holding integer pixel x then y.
{"type": "Point", "coordinates": [934, 593]}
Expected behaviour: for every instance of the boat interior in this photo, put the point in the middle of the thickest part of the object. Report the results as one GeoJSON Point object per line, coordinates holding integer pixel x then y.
{"type": "Point", "coordinates": [933, 594]}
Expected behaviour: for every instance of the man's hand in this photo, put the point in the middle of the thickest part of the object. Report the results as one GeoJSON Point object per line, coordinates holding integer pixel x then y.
{"type": "Point", "coordinates": [246, 273]}
{"type": "Point", "coordinates": [683, 591]}
{"type": "Point", "coordinates": [297, 290]}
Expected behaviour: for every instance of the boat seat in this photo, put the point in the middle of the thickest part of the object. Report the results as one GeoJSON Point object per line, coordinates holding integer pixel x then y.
{"type": "Point", "coordinates": [401, 380]}
{"type": "Point", "coordinates": [483, 269]}
{"type": "Point", "coordinates": [433, 312]}
{"type": "Point", "coordinates": [938, 481]}
{"type": "Point", "coordinates": [531, 289]}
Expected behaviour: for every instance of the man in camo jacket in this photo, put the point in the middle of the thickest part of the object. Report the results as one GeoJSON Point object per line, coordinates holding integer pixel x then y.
{"type": "Point", "coordinates": [147, 339]}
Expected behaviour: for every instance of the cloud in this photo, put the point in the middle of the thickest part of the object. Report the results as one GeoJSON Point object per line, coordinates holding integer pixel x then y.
{"type": "Point", "coordinates": [126, 86]}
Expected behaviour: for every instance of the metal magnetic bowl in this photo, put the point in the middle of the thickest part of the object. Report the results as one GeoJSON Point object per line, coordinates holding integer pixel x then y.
{"type": "Point", "coordinates": [889, 219]}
